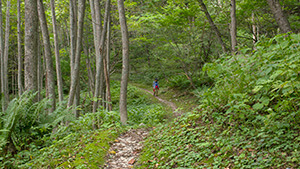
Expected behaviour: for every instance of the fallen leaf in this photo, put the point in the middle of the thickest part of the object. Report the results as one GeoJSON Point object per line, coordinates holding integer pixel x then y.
{"type": "Point", "coordinates": [131, 161]}
{"type": "Point", "coordinates": [117, 141]}
{"type": "Point", "coordinates": [112, 152]}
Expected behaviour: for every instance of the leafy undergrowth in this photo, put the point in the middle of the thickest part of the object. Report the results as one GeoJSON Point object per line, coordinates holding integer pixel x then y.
{"type": "Point", "coordinates": [250, 118]}
{"type": "Point", "coordinates": [59, 140]}
{"type": "Point", "coordinates": [80, 150]}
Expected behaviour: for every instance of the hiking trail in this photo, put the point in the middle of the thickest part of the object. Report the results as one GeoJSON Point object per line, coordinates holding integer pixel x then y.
{"type": "Point", "coordinates": [125, 150]}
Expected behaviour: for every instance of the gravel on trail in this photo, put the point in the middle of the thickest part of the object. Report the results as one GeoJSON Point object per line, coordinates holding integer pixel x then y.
{"type": "Point", "coordinates": [125, 150]}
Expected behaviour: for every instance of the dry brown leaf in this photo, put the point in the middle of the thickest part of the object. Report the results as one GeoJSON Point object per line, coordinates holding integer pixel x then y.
{"type": "Point", "coordinates": [131, 161]}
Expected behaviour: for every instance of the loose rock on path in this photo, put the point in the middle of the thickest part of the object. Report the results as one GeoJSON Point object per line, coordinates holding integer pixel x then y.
{"type": "Point", "coordinates": [125, 150]}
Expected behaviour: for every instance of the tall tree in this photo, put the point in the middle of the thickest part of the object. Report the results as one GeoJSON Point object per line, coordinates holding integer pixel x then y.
{"type": "Point", "coordinates": [75, 75]}
{"type": "Point", "coordinates": [213, 26]}
{"type": "Point", "coordinates": [48, 56]}
{"type": "Point", "coordinates": [106, 66]}
{"type": "Point", "coordinates": [100, 47]}
{"type": "Point", "coordinates": [20, 60]}
{"type": "Point", "coordinates": [73, 31]}
{"type": "Point", "coordinates": [5, 56]}
{"type": "Point", "coordinates": [30, 60]}
{"type": "Point", "coordinates": [57, 58]}
{"type": "Point", "coordinates": [279, 16]}
{"type": "Point", "coordinates": [2, 54]}
{"type": "Point", "coordinates": [125, 67]}
{"type": "Point", "coordinates": [97, 43]}
{"type": "Point", "coordinates": [233, 26]}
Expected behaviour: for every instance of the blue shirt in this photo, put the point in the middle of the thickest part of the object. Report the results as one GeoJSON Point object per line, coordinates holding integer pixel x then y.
{"type": "Point", "coordinates": [155, 83]}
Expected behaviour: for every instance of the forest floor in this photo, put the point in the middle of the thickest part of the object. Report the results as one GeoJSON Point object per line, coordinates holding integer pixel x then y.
{"type": "Point", "coordinates": [125, 150]}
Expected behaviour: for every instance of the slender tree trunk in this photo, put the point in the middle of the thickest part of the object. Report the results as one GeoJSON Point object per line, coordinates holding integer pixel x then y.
{"type": "Point", "coordinates": [279, 16]}
{"type": "Point", "coordinates": [100, 47]}
{"type": "Point", "coordinates": [20, 60]}
{"type": "Point", "coordinates": [77, 100]}
{"type": "Point", "coordinates": [233, 27]}
{"type": "Point", "coordinates": [75, 75]}
{"type": "Point", "coordinates": [125, 67]}
{"type": "Point", "coordinates": [2, 56]}
{"type": "Point", "coordinates": [73, 34]}
{"type": "Point", "coordinates": [31, 27]}
{"type": "Point", "coordinates": [99, 60]}
{"type": "Point", "coordinates": [48, 56]}
{"type": "Point", "coordinates": [212, 24]}
{"type": "Point", "coordinates": [5, 64]}
{"type": "Point", "coordinates": [57, 57]}
{"type": "Point", "coordinates": [106, 64]}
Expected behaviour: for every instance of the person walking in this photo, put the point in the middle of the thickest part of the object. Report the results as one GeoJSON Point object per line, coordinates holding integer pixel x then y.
{"type": "Point", "coordinates": [155, 87]}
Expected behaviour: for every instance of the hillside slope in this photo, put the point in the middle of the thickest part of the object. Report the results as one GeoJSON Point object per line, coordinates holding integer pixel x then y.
{"type": "Point", "coordinates": [250, 118]}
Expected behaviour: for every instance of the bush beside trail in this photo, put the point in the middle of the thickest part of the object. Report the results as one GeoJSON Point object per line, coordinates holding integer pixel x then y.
{"type": "Point", "coordinates": [249, 118]}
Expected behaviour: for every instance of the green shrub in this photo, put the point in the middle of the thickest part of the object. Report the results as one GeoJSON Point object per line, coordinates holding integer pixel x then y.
{"type": "Point", "coordinates": [248, 119]}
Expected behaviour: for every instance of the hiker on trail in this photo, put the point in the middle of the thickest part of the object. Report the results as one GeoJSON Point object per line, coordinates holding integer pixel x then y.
{"type": "Point", "coordinates": [155, 87]}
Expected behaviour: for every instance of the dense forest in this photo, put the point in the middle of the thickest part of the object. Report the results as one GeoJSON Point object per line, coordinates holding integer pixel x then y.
{"type": "Point", "coordinates": [77, 79]}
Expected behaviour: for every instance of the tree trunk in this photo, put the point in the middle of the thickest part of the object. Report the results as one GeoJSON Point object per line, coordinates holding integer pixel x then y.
{"type": "Point", "coordinates": [5, 55]}
{"type": "Point", "coordinates": [48, 56]}
{"type": "Point", "coordinates": [20, 60]}
{"type": "Point", "coordinates": [106, 64]}
{"type": "Point", "coordinates": [99, 60]}
{"type": "Point", "coordinates": [233, 27]}
{"type": "Point", "coordinates": [2, 56]}
{"type": "Point", "coordinates": [75, 75]}
{"type": "Point", "coordinates": [30, 61]}
{"type": "Point", "coordinates": [212, 24]}
{"type": "Point", "coordinates": [39, 70]}
{"type": "Point", "coordinates": [99, 50]}
{"type": "Point", "coordinates": [279, 16]}
{"type": "Point", "coordinates": [125, 67]}
{"type": "Point", "coordinates": [73, 33]}
{"type": "Point", "coordinates": [57, 58]}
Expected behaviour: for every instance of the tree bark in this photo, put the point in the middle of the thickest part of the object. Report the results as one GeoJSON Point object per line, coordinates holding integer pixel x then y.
{"type": "Point", "coordinates": [75, 75]}
{"type": "Point", "coordinates": [125, 66]}
{"type": "Point", "coordinates": [233, 27]}
{"type": "Point", "coordinates": [20, 60]}
{"type": "Point", "coordinates": [279, 16]}
{"type": "Point", "coordinates": [106, 65]}
{"type": "Point", "coordinates": [57, 57]}
{"type": "Point", "coordinates": [73, 33]}
{"type": "Point", "coordinates": [40, 68]}
{"type": "Point", "coordinates": [2, 55]}
{"type": "Point", "coordinates": [212, 24]}
{"type": "Point", "coordinates": [31, 27]}
{"type": "Point", "coordinates": [48, 56]}
{"type": "Point", "coordinates": [99, 60]}
{"type": "Point", "coordinates": [5, 55]}
{"type": "Point", "coordinates": [99, 50]}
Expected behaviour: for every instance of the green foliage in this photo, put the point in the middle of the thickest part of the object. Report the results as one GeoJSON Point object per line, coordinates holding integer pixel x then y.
{"type": "Point", "coordinates": [16, 122]}
{"type": "Point", "coordinates": [59, 140]}
{"type": "Point", "coordinates": [248, 119]}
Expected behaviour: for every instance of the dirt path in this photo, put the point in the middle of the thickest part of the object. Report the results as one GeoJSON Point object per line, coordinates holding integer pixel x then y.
{"type": "Point", "coordinates": [171, 104]}
{"type": "Point", "coordinates": [125, 150]}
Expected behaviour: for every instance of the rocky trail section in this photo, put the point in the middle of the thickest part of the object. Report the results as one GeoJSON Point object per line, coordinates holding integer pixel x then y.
{"type": "Point", "coordinates": [125, 150]}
